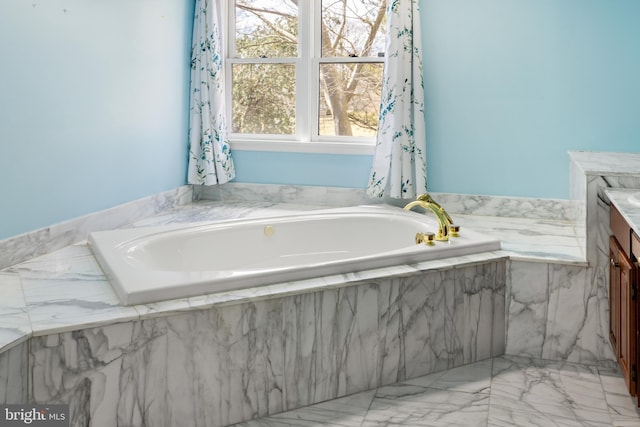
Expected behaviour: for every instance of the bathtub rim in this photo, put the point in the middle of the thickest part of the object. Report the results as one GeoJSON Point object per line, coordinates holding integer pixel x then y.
{"type": "Point", "coordinates": [127, 297]}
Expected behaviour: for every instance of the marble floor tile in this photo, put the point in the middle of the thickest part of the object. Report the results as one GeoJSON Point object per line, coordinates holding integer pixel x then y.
{"type": "Point", "coordinates": [558, 390]}
{"type": "Point", "coordinates": [504, 391]}
{"type": "Point", "coordinates": [410, 405]}
{"type": "Point", "coordinates": [344, 412]}
{"type": "Point", "coordinates": [621, 405]}
{"type": "Point", "coordinates": [504, 417]}
{"type": "Point", "coordinates": [472, 378]}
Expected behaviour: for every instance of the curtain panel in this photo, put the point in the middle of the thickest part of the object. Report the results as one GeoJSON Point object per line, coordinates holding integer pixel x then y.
{"type": "Point", "coordinates": [210, 159]}
{"type": "Point", "coordinates": [399, 164]}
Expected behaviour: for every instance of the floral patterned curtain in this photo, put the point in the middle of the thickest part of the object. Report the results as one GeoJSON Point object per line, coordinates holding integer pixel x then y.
{"type": "Point", "coordinates": [399, 164]}
{"type": "Point", "coordinates": [209, 153]}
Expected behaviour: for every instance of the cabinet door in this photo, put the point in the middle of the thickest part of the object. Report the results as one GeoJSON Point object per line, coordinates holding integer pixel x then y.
{"type": "Point", "coordinates": [621, 271]}
{"type": "Point", "coordinates": [635, 259]}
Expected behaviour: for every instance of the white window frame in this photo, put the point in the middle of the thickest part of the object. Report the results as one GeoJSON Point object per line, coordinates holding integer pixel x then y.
{"type": "Point", "coordinates": [307, 88]}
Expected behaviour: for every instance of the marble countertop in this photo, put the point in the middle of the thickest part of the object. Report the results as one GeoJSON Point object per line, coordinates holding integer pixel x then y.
{"type": "Point", "coordinates": [66, 290]}
{"type": "Point", "coordinates": [631, 212]}
{"type": "Point", "coordinates": [606, 163]}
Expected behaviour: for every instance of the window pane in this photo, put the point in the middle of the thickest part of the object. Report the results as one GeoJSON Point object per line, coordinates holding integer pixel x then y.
{"type": "Point", "coordinates": [263, 98]}
{"type": "Point", "coordinates": [265, 30]}
{"type": "Point", "coordinates": [353, 28]}
{"type": "Point", "coordinates": [349, 99]}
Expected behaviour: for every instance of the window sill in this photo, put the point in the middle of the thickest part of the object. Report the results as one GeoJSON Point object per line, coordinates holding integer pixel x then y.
{"type": "Point", "coordinates": [326, 147]}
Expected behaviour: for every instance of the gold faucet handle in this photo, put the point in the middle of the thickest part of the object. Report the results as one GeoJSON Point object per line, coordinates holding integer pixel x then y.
{"type": "Point", "coordinates": [454, 230]}
{"type": "Point", "coordinates": [427, 238]}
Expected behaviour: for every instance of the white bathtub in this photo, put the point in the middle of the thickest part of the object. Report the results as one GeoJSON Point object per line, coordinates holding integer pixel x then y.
{"type": "Point", "coordinates": [159, 263]}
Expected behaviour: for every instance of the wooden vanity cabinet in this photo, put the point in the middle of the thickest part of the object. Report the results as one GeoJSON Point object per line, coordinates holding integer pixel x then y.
{"type": "Point", "coordinates": [635, 260]}
{"type": "Point", "coordinates": [623, 321]}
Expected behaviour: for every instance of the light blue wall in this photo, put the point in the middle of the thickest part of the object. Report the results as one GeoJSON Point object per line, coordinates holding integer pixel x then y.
{"type": "Point", "coordinates": [94, 101]}
{"type": "Point", "coordinates": [93, 105]}
{"type": "Point", "coordinates": [330, 170]}
{"type": "Point", "coordinates": [511, 86]}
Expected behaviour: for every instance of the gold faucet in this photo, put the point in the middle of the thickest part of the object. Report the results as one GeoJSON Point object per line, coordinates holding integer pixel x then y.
{"type": "Point", "coordinates": [446, 227]}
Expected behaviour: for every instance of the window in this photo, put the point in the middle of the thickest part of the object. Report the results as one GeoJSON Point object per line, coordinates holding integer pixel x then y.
{"type": "Point", "coordinates": [305, 71]}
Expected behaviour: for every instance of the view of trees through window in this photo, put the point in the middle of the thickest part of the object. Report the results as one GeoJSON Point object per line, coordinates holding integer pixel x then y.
{"type": "Point", "coordinates": [265, 66]}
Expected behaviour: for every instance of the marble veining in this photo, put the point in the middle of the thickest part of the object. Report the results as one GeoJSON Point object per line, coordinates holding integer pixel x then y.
{"type": "Point", "coordinates": [530, 239]}
{"type": "Point", "coordinates": [505, 207]}
{"type": "Point", "coordinates": [14, 374]}
{"type": "Point", "coordinates": [550, 392]}
{"type": "Point", "coordinates": [595, 175]}
{"type": "Point", "coordinates": [515, 207]}
{"type": "Point", "coordinates": [557, 312]}
{"type": "Point", "coordinates": [66, 290]}
{"type": "Point", "coordinates": [236, 362]}
{"type": "Point", "coordinates": [502, 391]}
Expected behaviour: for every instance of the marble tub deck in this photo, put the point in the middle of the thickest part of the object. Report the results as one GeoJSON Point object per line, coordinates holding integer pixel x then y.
{"type": "Point", "coordinates": [65, 290]}
{"type": "Point", "coordinates": [503, 391]}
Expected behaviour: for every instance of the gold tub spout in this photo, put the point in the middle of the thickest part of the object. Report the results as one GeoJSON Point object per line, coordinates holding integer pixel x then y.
{"type": "Point", "coordinates": [446, 227]}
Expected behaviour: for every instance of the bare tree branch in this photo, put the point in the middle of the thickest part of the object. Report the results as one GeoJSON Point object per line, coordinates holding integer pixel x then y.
{"type": "Point", "coordinates": [353, 81]}
{"type": "Point", "coordinates": [259, 13]}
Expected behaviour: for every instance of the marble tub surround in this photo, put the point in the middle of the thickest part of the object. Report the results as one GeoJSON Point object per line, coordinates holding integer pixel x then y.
{"type": "Point", "coordinates": [275, 193]}
{"type": "Point", "coordinates": [506, 207]}
{"type": "Point", "coordinates": [272, 348]}
{"type": "Point", "coordinates": [66, 290]}
{"type": "Point", "coordinates": [14, 374]}
{"type": "Point", "coordinates": [503, 391]}
{"type": "Point", "coordinates": [557, 312]}
{"type": "Point", "coordinates": [513, 207]}
{"type": "Point", "coordinates": [232, 363]}
{"type": "Point", "coordinates": [26, 246]}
